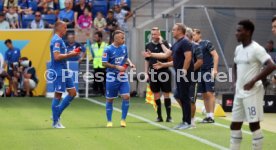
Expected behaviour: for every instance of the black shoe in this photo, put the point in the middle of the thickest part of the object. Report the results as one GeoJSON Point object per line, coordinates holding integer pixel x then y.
{"type": "Point", "coordinates": [211, 120]}
{"type": "Point", "coordinates": [169, 119]}
{"type": "Point", "coordinates": [208, 120]}
{"type": "Point", "coordinates": [159, 120]}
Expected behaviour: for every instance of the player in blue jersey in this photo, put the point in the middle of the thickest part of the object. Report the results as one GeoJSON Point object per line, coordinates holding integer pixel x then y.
{"type": "Point", "coordinates": [114, 58]}
{"type": "Point", "coordinates": [59, 57]}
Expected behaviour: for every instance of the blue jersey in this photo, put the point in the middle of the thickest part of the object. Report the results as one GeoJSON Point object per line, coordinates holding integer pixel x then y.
{"type": "Point", "coordinates": [12, 55]}
{"type": "Point", "coordinates": [208, 61]}
{"type": "Point", "coordinates": [58, 45]}
{"type": "Point", "coordinates": [116, 56]}
{"type": "Point", "coordinates": [73, 46]}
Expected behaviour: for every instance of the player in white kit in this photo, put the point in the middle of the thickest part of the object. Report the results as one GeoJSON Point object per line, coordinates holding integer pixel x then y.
{"type": "Point", "coordinates": [251, 64]}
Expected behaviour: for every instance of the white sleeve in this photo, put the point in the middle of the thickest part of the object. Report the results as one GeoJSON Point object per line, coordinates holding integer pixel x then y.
{"type": "Point", "coordinates": [262, 55]}
{"type": "Point", "coordinates": [235, 54]}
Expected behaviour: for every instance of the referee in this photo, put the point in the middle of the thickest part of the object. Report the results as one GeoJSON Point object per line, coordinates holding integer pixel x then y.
{"type": "Point", "coordinates": [155, 77]}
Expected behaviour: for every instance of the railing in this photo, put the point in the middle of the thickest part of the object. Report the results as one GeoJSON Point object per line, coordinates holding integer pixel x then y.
{"type": "Point", "coordinates": [145, 4]}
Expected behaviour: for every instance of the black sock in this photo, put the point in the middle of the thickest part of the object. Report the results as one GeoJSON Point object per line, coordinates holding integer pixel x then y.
{"type": "Point", "coordinates": [168, 107]}
{"type": "Point", "coordinates": [158, 103]}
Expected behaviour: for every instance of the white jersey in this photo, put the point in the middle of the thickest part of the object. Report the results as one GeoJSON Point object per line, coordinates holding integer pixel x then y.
{"type": "Point", "coordinates": [249, 60]}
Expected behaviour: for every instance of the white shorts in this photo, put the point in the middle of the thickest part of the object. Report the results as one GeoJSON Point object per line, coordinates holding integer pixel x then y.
{"type": "Point", "coordinates": [32, 84]}
{"type": "Point", "coordinates": [248, 109]}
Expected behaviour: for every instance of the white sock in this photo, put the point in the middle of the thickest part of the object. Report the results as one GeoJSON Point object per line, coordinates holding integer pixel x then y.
{"type": "Point", "coordinates": [207, 114]}
{"type": "Point", "coordinates": [257, 140]}
{"type": "Point", "coordinates": [193, 121]}
{"type": "Point", "coordinates": [235, 140]}
{"type": "Point", "coordinates": [211, 115]}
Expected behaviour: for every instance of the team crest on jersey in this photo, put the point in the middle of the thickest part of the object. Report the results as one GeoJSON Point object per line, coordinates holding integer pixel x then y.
{"type": "Point", "coordinates": [104, 55]}
{"type": "Point", "coordinates": [57, 45]}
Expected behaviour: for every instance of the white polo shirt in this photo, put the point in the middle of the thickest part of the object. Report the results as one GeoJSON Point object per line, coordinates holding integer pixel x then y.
{"type": "Point", "coordinates": [249, 60]}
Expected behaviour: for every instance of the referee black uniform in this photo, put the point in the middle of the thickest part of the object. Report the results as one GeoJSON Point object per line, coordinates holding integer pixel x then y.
{"type": "Point", "coordinates": [159, 86]}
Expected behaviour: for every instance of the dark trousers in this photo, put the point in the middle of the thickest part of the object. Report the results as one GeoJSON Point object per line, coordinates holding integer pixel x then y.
{"type": "Point", "coordinates": [99, 85]}
{"type": "Point", "coordinates": [183, 90]}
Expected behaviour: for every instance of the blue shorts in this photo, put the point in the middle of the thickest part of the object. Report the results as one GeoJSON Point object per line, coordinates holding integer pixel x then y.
{"type": "Point", "coordinates": [60, 86]}
{"type": "Point", "coordinates": [113, 88]}
{"type": "Point", "coordinates": [208, 84]}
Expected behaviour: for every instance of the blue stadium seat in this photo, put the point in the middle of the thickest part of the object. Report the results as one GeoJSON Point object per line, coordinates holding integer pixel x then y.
{"type": "Point", "coordinates": [1, 5]}
{"type": "Point", "coordinates": [51, 19]}
{"type": "Point", "coordinates": [26, 20]}
{"type": "Point", "coordinates": [99, 6]}
{"type": "Point", "coordinates": [112, 3]}
{"type": "Point", "coordinates": [33, 5]}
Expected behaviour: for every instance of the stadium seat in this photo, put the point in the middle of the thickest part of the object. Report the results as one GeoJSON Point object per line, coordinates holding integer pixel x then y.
{"type": "Point", "coordinates": [26, 20]}
{"type": "Point", "coordinates": [33, 5]}
{"type": "Point", "coordinates": [99, 6]}
{"type": "Point", "coordinates": [111, 4]}
{"type": "Point", "coordinates": [51, 19]}
{"type": "Point", "coordinates": [1, 5]}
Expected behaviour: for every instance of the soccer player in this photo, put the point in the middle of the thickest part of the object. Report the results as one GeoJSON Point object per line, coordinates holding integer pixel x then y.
{"type": "Point", "coordinates": [208, 71]}
{"type": "Point", "coordinates": [114, 59]}
{"type": "Point", "coordinates": [62, 82]}
{"type": "Point", "coordinates": [251, 64]}
{"type": "Point", "coordinates": [183, 65]}
{"type": "Point", "coordinates": [198, 61]}
{"type": "Point", "coordinates": [156, 84]}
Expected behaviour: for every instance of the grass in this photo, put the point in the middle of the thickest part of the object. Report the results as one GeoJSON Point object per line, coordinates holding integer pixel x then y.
{"type": "Point", "coordinates": [25, 124]}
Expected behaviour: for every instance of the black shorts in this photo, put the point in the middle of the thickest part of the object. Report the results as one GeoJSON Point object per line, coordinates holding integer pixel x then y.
{"type": "Point", "coordinates": [161, 81]}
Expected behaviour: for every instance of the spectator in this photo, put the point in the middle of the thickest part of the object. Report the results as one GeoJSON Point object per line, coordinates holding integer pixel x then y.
{"type": "Point", "coordinates": [71, 44]}
{"type": "Point", "coordinates": [12, 18]}
{"type": "Point", "coordinates": [28, 75]}
{"type": "Point", "coordinates": [79, 10]}
{"type": "Point", "coordinates": [12, 56]}
{"type": "Point", "coordinates": [25, 7]}
{"type": "Point", "coordinates": [67, 14]}
{"type": "Point", "coordinates": [122, 16]}
{"type": "Point", "coordinates": [270, 46]}
{"type": "Point", "coordinates": [88, 2]}
{"type": "Point", "coordinates": [10, 3]}
{"type": "Point", "coordinates": [3, 73]}
{"type": "Point", "coordinates": [38, 23]}
{"type": "Point", "coordinates": [3, 23]}
{"type": "Point", "coordinates": [111, 24]}
{"type": "Point", "coordinates": [124, 5]}
{"type": "Point", "coordinates": [85, 20]}
{"type": "Point", "coordinates": [46, 6]}
{"type": "Point", "coordinates": [99, 22]}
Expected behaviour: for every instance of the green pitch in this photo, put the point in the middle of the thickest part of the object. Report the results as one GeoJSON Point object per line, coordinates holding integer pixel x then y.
{"type": "Point", "coordinates": [25, 125]}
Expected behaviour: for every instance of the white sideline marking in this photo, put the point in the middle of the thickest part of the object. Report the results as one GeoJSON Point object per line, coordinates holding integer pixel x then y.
{"type": "Point", "coordinates": [224, 126]}
{"type": "Point", "coordinates": [164, 127]}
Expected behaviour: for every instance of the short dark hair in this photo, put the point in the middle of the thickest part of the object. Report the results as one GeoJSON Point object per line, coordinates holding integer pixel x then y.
{"type": "Point", "coordinates": [273, 18]}
{"type": "Point", "coordinates": [99, 33]}
{"type": "Point", "coordinates": [247, 25]}
{"type": "Point", "coordinates": [8, 41]}
{"type": "Point", "coordinates": [110, 12]}
{"type": "Point", "coordinates": [2, 14]}
{"type": "Point", "coordinates": [270, 42]}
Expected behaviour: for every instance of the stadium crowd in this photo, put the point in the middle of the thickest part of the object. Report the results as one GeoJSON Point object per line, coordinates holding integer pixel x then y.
{"type": "Point", "coordinates": [103, 15]}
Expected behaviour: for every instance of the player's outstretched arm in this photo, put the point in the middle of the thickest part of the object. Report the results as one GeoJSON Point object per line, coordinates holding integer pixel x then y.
{"type": "Point", "coordinates": [268, 68]}
{"type": "Point", "coordinates": [160, 65]}
{"type": "Point", "coordinates": [164, 55]}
